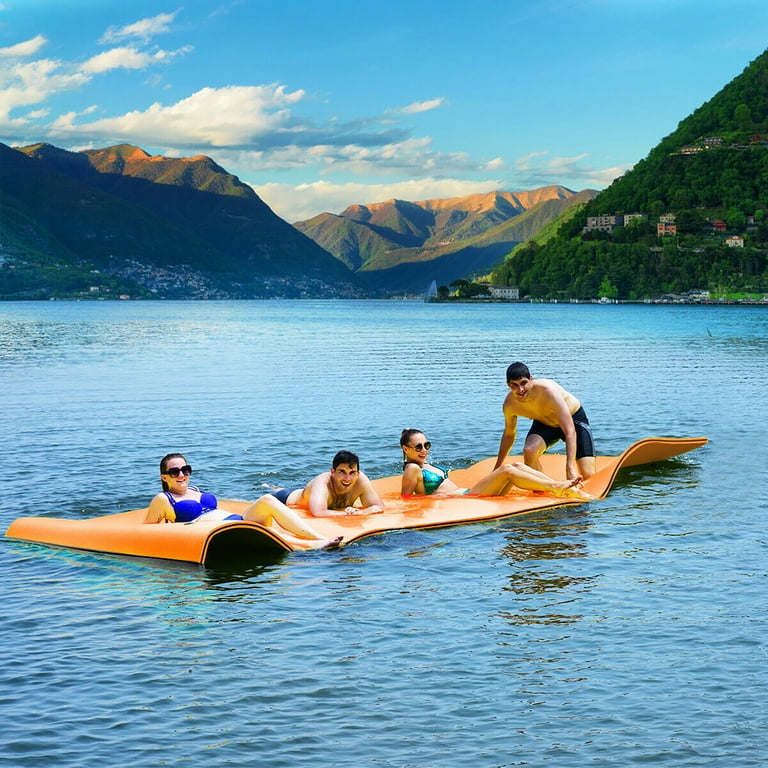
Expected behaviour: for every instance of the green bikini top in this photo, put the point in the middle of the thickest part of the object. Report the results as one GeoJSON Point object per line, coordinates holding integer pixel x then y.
{"type": "Point", "coordinates": [432, 480]}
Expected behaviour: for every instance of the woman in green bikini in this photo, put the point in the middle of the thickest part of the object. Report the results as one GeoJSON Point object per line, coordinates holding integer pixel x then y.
{"type": "Point", "coordinates": [420, 478]}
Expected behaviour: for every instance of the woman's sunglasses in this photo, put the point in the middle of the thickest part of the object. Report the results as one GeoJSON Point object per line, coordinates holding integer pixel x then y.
{"type": "Point", "coordinates": [186, 470]}
{"type": "Point", "coordinates": [421, 446]}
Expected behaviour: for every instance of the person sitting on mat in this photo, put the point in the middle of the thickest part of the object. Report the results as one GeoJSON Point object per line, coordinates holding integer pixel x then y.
{"type": "Point", "coordinates": [420, 478]}
{"type": "Point", "coordinates": [334, 492]}
{"type": "Point", "coordinates": [556, 415]}
{"type": "Point", "coordinates": [180, 502]}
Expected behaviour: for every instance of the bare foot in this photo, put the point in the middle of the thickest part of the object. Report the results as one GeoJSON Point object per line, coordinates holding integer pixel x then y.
{"type": "Point", "coordinates": [578, 493]}
{"type": "Point", "coordinates": [328, 543]}
{"type": "Point", "coordinates": [569, 489]}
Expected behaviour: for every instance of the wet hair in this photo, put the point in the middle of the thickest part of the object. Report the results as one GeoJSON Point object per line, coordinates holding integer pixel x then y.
{"type": "Point", "coordinates": [164, 465]}
{"type": "Point", "coordinates": [407, 434]}
{"type": "Point", "coordinates": [518, 371]}
{"type": "Point", "coordinates": [346, 457]}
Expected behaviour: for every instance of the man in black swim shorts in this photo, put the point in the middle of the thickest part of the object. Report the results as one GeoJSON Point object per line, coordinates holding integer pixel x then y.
{"type": "Point", "coordinates": [556, 415]}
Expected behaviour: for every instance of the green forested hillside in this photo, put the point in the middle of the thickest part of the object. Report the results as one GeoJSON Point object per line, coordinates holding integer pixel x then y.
{"type": "Point", "coordinates": [116, 221]}
{"type": "Point", "coordinates": [713, 168]}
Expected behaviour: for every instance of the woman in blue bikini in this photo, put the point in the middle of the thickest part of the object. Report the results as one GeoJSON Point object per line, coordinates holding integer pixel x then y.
{"type": "Point", "coordinates": [181, 502]}
{"type": "Point", "coordinates": [420, 478]}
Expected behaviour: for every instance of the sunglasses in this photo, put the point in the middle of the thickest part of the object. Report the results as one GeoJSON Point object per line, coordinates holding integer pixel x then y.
{"type": "Point", "coordinates": [421, 446]}
{"type": "Point", "coordinates": [186, 470]}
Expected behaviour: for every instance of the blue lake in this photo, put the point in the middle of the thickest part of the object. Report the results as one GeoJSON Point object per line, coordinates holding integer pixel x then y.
{"type": "Point", "coordinates": [625, 632]}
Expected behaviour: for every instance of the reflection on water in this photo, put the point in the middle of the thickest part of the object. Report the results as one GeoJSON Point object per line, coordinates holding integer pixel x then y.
{"type": "Point", "coordinates": [532, 548]}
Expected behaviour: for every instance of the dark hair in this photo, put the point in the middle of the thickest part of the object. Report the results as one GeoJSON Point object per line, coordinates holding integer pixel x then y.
{"type": "Point", "coordinates": [346, 457]}
{"type": "Point", "coordinates": [164, 466]}
{"type": "Point", "coordinates": [518, 371]}
{"type": "Point", "coordinates": [407, 434]}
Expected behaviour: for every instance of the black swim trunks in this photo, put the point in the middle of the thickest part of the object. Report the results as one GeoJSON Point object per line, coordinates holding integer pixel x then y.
{"type": "Point", "coordinates": [585, 446]}
{"type": "Point", "coordinates": [282, 494]}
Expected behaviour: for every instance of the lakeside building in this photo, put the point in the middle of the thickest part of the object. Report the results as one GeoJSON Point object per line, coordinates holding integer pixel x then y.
{"type": "Point", "coordinates": [507, 292]}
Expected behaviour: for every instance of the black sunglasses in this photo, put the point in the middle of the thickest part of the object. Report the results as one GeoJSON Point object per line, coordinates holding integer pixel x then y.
{"type": "Point", "coordinates": [419, 446]}
{"type": "Point", "coordinates": [186, 470]}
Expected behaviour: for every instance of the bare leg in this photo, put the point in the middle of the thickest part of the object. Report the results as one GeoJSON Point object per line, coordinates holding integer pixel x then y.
{"type": "Point", "coordinates": [532, 450]}
{"type": "Point", "coordinates": [268, 507]}
{"type": "Point", "coordinates": [507, 476]}
{"type": "Point", "coordinates": [586, 466]}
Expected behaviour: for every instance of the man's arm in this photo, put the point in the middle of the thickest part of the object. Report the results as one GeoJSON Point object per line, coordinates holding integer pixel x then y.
{"type": "Point", "coordinates": [317, 503]}
{"type": "Point", "coordinates": [370, 500]}
{"type": "Point", "coordinates": [507, 437]}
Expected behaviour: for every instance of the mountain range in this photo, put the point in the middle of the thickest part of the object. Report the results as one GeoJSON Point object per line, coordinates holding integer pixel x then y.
{"type": "Point", "coordinates": [401, 245]}
{"type": "Point", "coordinates": [118, 221]}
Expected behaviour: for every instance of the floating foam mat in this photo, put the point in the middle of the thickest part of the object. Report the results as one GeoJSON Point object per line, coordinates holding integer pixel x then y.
{"type": "Point", "coordinates": [125, 533]}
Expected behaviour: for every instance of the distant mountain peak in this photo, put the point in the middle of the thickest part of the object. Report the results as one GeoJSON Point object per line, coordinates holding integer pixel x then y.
{"type": "Point", "coordinates": [406, 245]}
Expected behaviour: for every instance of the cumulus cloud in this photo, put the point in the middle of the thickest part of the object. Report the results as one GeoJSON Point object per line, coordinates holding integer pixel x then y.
{"type": "Point", "coordinates": [32, 83]}
{"type": "Point", "coordinates": [128, 58]}
{"type": "Point", "coordinates": [211, 117]}
{"type": "Point", "coordinates": [144, 29]}
{"type": "Point", "coordinates": [29, 82]}
{"type": "Point", "coordinates": [257, 128]}
{"type": "Point", "coordinates": [27, 48]}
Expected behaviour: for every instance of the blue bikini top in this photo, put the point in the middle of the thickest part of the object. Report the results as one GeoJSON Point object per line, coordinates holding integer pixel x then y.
{"type": "Point", "coordinates": [187, 510]}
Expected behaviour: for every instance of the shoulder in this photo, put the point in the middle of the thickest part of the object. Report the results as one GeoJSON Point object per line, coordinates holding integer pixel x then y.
{"type": "Point", "coordinates": [319, 481]}
{"type": "Point", "coordinates": [547, 387]}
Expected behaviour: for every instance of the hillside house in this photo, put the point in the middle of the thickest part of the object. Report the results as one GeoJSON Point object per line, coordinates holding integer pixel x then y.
{"type": "Point", "coordinates": [734, 241]}
{"type": "Point", "coordinates": [667, 218]}
{"type": "Point", "coordinates": [604, 223]}
{"type": "Point", "coordinates": [664, 230]}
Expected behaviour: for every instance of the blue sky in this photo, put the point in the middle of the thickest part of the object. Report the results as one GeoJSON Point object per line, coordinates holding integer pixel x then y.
{"type": "Point", "coordinates": [319, 105]}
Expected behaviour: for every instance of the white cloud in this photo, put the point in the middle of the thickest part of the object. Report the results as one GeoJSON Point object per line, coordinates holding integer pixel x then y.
{"type": "Point", "coordinates": [420, 106]}
{"type": "Point", "coordinates": [211, 117]}
{"type": "Point", "coordinates": [128, 58]}
{"type": "Point", "coordinates": [571, 172]}
{"type": "Point", "coordinates": [27, 48]}
{"type": "Point", "coordinates": [256, 128]}
{"type": "Point", "coordinates": [32, 83]}
{"type": "Point", "coordinates": [524, 163]}
{"type": "Point", "coordinates": [25, 83]}
{"type": "Point", "coordinates": [143, 29]}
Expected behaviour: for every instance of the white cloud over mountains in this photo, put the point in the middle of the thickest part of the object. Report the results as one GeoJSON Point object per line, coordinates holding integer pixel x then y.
{"type": "Point", "coordinates": [253, 129]}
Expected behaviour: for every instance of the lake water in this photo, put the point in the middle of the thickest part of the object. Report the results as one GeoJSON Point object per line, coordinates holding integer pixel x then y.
{"type": "Point", "coordinates": [627, 632]}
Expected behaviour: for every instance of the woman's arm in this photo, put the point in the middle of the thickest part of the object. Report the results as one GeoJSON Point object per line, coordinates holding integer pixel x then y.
{"type": "Point", "coordinates": [160, 510]}
{"type": "Point", "coordinates": [413, 481]}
